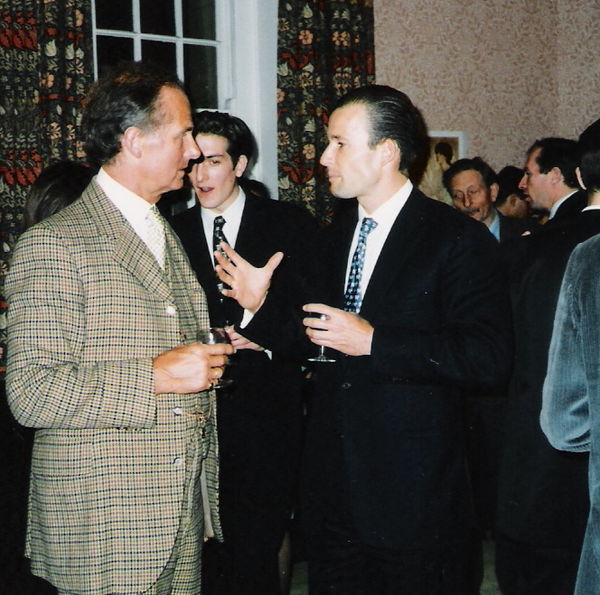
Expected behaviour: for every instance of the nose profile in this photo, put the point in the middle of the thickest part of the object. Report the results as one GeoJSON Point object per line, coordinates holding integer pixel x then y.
{"type": "Point", "coordinates": [326, 157]}
{"type": "Point", "coordinates": [192, 150]}
{"type": "Point", "coordinates": [523, 183]}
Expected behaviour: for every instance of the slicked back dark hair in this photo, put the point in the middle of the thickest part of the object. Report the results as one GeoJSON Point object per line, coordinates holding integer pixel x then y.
{"type": "Point", "coordinates": [589, 147]}
{"type": "Point", "coordinates": [123, 97]}
{"type": "Point", "coordinates": [477, 163]}
{"type": "Point", "coordinates": [562, 153]}
{"type": "Point", "coordinates": [391, 115]}
{"type": "Point", "coordinates": [240, 140]}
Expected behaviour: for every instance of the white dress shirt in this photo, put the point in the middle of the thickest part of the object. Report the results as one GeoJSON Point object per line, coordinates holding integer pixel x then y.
{"type": "Point", "coordinates": [133, 207]}
{"type": "Point", "coordinates": [385, 216]}
{"type": "Point", "coordinates": [233, 219]}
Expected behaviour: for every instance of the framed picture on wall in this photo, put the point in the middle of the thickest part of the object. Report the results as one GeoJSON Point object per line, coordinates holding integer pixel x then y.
{"type": "Point", "coordinates": [445, 147]}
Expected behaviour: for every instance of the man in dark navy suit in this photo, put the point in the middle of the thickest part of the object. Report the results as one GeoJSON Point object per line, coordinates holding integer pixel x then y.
{"type": "Point", "coordinates": [260, 413]}
{"type": "Point", "coordinates": [414, 314]}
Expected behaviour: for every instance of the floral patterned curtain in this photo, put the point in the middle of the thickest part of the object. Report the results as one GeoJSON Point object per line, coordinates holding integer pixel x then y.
{"type": "Point", "coordinates": [46, 66]}
{"type": "Point", "coordinates": [325, 49]}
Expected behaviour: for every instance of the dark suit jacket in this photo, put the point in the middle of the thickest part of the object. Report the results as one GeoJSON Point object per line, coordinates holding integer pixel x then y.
{"type": "Point", "coordinates": [388, 427]}
{"type": "Point", "coordinates": [260, 415]}
{"type": "Point", "coordinates": [569, 209]}
{"type": "Point", "coordinates": [542, 492]}
{"type": "Point", "coordinates": [511, 228]}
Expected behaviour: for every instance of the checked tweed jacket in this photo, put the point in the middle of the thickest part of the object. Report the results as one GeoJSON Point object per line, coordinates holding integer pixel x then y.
{"type": "Point", "coordinates": [112, 462]}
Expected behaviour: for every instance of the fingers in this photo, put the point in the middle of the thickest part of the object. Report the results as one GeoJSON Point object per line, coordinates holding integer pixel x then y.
{"type": "Point", "coordinates": [274, 261]}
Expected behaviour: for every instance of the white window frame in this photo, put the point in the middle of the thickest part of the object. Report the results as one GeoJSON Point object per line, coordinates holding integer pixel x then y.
{"type": "Point", "coordinates": [246, 46]}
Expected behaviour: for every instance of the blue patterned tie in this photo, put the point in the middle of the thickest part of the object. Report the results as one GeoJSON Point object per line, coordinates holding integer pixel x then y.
{"type": "Point", "coordinates": [353, 297]}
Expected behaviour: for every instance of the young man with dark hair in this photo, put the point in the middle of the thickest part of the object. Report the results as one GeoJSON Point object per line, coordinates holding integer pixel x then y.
{"type": "Point", "coordinates": [260, 414]}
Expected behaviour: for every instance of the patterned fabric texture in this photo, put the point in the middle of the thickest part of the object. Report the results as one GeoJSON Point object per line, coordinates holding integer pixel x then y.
{"type": "Point", "coordinates": [46, 67]}
{"type": "Point", "coordinates": [325, 49]}
{"type": "Point", "coordinates": [353, 296]}
{"type": "Point", "coordinates": [112, 464]}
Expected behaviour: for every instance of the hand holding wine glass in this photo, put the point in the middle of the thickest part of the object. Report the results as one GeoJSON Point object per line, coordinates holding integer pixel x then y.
{"type": "Point", "coordinates": [321, 356]}
{"type": "Point", "coordinates": [343, 331]}
{"type": "Point", "coordinates": [216, 336]}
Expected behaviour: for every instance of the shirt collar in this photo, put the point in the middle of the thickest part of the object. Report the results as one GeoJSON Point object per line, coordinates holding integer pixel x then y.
{"type": "Point", "coordinates": [133, 207]}
{"type": "Point", "coordinates": [386, 214]}
{"type": "Point", "coordinates": [233, 213]}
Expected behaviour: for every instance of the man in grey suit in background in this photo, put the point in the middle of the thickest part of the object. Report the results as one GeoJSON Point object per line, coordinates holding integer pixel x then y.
{"type": "Point", "coordinates": [569, 415]}
{"type": "Point", "coordinates": [103, 360]}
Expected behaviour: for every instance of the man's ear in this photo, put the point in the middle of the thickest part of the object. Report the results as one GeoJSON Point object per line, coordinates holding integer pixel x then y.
{"type": "Point", "coordinates": [494, 188]}
{"type": "Point", "coordinates": [556, 176]}
{"type": "Point", "coordinates": [132, 141]}
{"type": "Point", "coordinates": [240, 166]}
{"type": "Point", "coordinates": [579, 178]}
{"type": "Point", "coordinates": [390, 151]}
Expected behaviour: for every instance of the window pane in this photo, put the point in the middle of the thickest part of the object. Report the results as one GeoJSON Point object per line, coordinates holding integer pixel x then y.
{"type": "Point", "coordinates": [157, 16]}
{"type": "Point", "coordinates": [200, 68]}
{"type": "Point", "coordinates": [114, 15]}
{"type": "Point", "coordinates": [112, 50]}
{"type": "Point", "coordinates": [160, 53]}
{"type": "Point", "coordinates": [199, 19]}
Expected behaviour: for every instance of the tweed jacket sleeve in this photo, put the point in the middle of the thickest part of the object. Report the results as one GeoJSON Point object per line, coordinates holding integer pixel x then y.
{"type": "Point", "coordinates": [87, 315]}
{"type": "Point", "coordinates": [48, 332]}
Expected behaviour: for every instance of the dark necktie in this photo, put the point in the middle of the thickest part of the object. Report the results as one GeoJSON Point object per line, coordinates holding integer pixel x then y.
{"type": "Point", "coordinates": [218, 235]}
{"type": "Point", "coordinates": [352, 296]}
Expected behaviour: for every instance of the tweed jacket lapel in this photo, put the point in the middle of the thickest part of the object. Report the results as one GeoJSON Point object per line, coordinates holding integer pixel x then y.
{"type": "Point", "coordinates": [128, 248]}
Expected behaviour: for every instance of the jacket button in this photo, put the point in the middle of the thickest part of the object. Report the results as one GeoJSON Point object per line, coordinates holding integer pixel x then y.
{"type": "Point", "coordinates": [177, 410]}
{"type": "Point", "coordinates": [346, 385]}
{"type": "Point", "coordinates": [171, 311]}
{"type": "Point", "coordinates": [177, 461]}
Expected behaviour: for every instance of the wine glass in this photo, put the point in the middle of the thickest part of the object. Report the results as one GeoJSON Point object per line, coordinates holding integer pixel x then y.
{"type": "Point", "coordinates": [213, 336]}
{"type": "Point", "coordinates": [321, 355]}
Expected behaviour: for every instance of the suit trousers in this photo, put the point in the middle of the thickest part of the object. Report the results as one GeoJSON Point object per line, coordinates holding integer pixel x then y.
{"type": "Point", "coordinates": [340, 562]}
{"type": "Point", "coordinates": [525, 569]}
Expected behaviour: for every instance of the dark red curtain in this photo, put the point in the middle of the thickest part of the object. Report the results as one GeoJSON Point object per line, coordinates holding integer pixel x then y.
{"type": "Point", "coordinates": [46, 67]}
{"type": "Point", "coordinates": [325, 49]}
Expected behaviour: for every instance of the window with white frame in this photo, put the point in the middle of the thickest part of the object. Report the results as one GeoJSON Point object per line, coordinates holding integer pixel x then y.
{"type": "Point", "coordinates": [224, 51]}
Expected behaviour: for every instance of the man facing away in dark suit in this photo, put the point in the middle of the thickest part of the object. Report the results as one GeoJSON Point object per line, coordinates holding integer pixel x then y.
{"type": "Point", "coordinates": [542, 498]}
{"type": "Point", "coordinates": [414, 313]}
{"type": "Point", "coordinates": [260, 414]}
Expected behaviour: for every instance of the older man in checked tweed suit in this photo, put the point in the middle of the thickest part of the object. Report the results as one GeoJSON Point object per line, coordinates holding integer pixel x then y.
{"type": "Point", "coordinates": [104, 314]}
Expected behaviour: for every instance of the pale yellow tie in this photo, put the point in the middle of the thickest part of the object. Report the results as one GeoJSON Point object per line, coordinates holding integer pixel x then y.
{"type": "Point", "coordinates": [156, 235]}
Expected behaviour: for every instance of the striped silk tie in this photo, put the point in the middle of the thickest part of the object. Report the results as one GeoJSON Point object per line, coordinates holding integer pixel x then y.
{"type": "Point", "coordinates": [352, 297]}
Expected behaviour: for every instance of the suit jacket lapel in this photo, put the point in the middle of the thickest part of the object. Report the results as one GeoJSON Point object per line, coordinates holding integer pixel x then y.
{"type": "Point", "coordinates": [129, 251]}
{"type": "Point", "coordinates": [404, 240]}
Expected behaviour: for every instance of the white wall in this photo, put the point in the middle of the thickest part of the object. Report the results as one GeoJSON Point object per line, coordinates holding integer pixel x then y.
{"type": "Point", "coordinates": [254, 80]}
